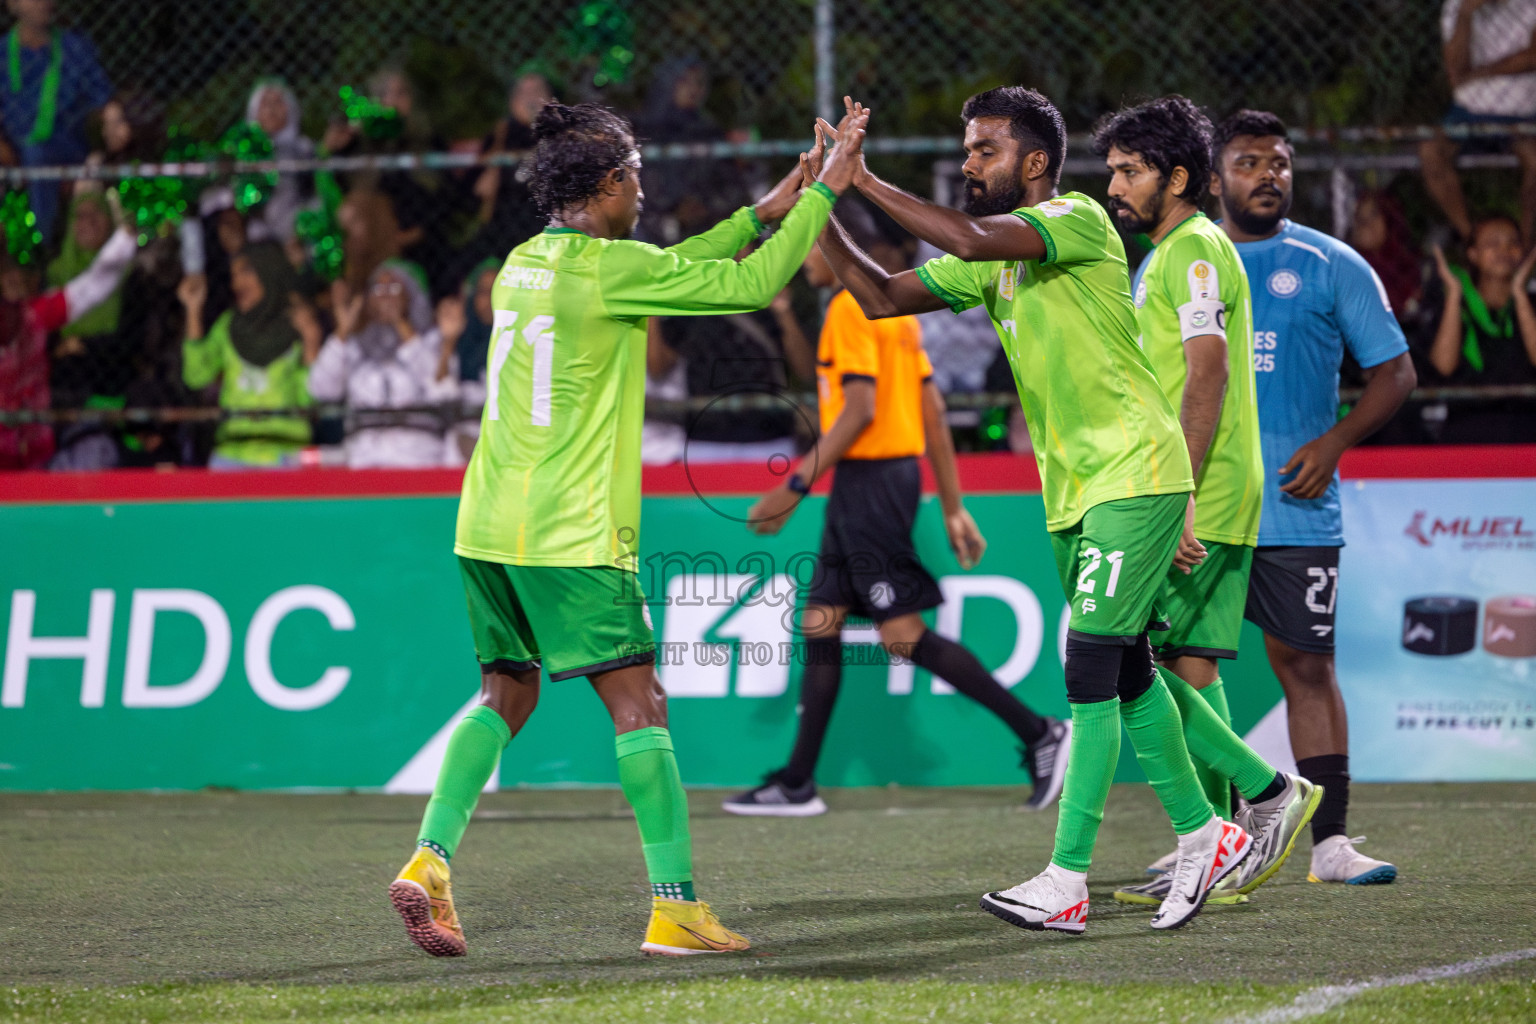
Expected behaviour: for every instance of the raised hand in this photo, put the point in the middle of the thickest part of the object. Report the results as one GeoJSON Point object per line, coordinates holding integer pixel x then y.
{"type": "Point", "coordinates": [193, 291]}
{"type": "Point", "coordinates": [1523, 271]}
{"type": "Point", "coordinates": [348, 309]}
{"type": "Point", "coordinates": [847, 159]}
{"type": "Point", "coordinates": [811, 162]}
{"type": "Point", "coordinates": [451, 320]}
{"type": "Point", "coordinates": [302, 316]}
{"type": "Point", "coordinates": [1451, 282]}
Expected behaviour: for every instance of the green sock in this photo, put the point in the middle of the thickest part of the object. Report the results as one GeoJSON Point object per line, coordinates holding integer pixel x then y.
{"type": "Point", "coordinates": [648, 776]}
{"type": "Point", "coordinates": [1091, 761]}
{"type": "Point", "coordinates": [474, 750]}
{"type": "Point", "coordinates": [1212, 741]}
{"type": "Point", "coordinates": [1153, 722]}
{"type": "Point", "coordinates": [1217, 787]}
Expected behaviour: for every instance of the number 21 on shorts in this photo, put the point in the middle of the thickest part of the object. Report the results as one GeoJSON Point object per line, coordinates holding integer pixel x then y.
{"type": "Point", "coordinates": [1093, 559]}
{"type": "Point", "coordinates": [538, 334]}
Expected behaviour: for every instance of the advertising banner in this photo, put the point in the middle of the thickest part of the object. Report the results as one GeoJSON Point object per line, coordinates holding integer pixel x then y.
{"type": "Point", "coordinates": [1437, 629]}
{"type": "Point", "coordinates": [323, 643]}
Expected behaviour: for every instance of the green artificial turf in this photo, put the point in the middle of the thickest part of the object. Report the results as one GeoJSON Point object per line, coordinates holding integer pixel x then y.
{"type": "Point", "coordinates": [249, 906]}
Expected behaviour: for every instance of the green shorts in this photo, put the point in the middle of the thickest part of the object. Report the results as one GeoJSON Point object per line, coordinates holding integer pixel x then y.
{"type": "Point", "coordinates": [573, 621]}
{"type": "Point", "coordinates": [1205, 608]}
{"type": "Point", "coordinates": [1113, 562]}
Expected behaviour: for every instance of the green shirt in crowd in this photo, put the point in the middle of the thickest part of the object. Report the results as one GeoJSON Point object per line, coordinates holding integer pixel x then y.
{"type": "Point", "coordinates": [1101, 426]}
{"type": "Point", "coordinates": [281, 384]}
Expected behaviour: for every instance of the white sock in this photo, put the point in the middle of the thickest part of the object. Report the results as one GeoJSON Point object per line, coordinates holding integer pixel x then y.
{"type": "Point", "coordinates": [1067, 877]}
{"type": "Point", "coordinates": [1200, 834]}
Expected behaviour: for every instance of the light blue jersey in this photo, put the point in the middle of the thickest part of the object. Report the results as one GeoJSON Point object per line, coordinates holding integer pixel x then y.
{"type": "Point", "coordinates": [1312, 296]}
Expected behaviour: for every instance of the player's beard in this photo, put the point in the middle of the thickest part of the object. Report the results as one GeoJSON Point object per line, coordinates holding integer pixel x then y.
{"type": "Point", "coordinates": [1131, 221]}
{"type": "Point", "coordinates": [1259, 223]}
{"type": "Point", "coordinates": [989, 198]}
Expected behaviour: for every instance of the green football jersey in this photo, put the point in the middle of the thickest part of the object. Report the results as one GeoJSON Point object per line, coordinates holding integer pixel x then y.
{"type": "Point", "coordinates": [1101, 426]}
{"type": "Point", "coordinates": [1192, 284]}
{"type": "Point", "coordinates": [555, 476]}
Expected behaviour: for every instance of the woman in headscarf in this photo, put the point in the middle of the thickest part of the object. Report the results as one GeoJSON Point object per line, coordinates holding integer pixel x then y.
{"type": "Point", "coordinates": [93, 360]}
{"type": "Point", "coordinates": [260, 347]}
{"type": "Point", "coordinates": [275, 108]}
{"type": "Point", "coordinates": [383, 362]}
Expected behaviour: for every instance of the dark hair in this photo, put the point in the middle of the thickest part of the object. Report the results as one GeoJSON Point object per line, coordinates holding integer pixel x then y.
{"type": "Point", "coordinates": [574, 149]}
{"type": "Point", "coordinates": [1032, 119]}
{"type": "Point", "coordinates": [1482, 220]}
{"type": "Point", "coordinates": [1167, 132]}
{"type": "Point", "coordinates": [1258, 123]}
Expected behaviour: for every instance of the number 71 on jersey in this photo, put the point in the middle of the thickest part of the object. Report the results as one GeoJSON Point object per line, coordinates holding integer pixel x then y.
{"type": "Point", "coordinates": [538, 333]}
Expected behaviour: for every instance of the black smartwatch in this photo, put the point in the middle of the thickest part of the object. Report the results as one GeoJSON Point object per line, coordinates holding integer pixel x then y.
{"type": "Point", "coordinates": [797, 485]}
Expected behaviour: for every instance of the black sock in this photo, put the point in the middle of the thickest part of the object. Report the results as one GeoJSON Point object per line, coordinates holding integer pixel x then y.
{"type": "Point", "coordinates": [822, 678]}
{"type": "Point", "coordinates": [959, 668]}
{"type": "Point", "coordinates": [1275, 788]}
{"type": "Point", "coordinates": [1331, 771]}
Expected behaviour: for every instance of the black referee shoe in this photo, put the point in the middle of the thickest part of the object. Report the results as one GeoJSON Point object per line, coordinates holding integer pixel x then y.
{"type": "Point", "coordinates": [1047, 763]}
{"type": "Point", "coordinates": [773, 799]}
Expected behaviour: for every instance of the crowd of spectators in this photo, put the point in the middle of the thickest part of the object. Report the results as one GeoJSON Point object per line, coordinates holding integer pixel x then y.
{"type": "Point", "coordinates": [232, 311]}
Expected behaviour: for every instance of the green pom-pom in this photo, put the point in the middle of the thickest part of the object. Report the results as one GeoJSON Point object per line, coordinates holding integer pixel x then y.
{"type": "Point", "coordinates": [372, 118]}
{"type": "Point", "coordinates": [602, 33]}
{"type": "Point", "coordinates": [319, 230]}
{"type": "Point", "coordinates": [245, 143]}
{"type": "Point", "coordinates": [154, 203]}
{"type": "Point", "coordinates": [22, 238]}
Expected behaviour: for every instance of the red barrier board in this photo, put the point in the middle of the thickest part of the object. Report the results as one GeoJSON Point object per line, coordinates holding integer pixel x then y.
{"type": "Point", "coordinates": [979, 474]}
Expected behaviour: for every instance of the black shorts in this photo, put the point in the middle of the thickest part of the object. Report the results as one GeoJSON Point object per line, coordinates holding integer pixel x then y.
{"type": "Point", "coordinates": [1291, 594]}
{"type": "Point", "coordinates": [867, 563]}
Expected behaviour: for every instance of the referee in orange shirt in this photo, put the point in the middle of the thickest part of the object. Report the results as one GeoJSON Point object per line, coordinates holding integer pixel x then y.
{"type": "Point", "coordinates": [880, 410]}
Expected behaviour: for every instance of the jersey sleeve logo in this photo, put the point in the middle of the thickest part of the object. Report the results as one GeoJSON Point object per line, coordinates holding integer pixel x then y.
{"type": "Point", "coordinates": [1141, 293]}
{"type": "Point", "coordinates": [1055, 207]}
{"type": "Point", "coordinates": [1283, 283]}
{"type": "Point", "coordinates": [1203, 283]}
{"type": "Point", "coordinates": [1005, 282]}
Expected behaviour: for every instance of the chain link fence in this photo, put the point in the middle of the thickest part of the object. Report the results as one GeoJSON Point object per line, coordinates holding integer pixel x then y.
{"type": "Point", "coordinates": [1320, 65]}
{"type": "Point", "coordinates": [377, 143]}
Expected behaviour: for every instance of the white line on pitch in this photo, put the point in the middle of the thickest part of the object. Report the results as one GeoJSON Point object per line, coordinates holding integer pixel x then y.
{"type": "Point", "coordinates": [1315, 1001]}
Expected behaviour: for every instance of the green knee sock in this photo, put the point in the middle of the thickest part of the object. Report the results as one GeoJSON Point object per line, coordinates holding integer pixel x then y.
{"type": "Point", "coordinates": [1090, 768]}
{"type": "Point", "coordinates": [473, 753]}
{"type": "Point", "coordinates": [1212, 741]}
{"type": "Point", "coordinates": [1153, 722]}
{"type": "Point", "coordinates": [1217, 787]}
{"type": "Point", "coordinates": [648, 776]}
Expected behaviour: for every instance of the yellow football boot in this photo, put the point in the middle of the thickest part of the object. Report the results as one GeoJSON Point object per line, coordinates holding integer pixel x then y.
{"type": "Point", "coordinates": [422, 895]}
{"type": "Point", "coordinates": [683, 929]}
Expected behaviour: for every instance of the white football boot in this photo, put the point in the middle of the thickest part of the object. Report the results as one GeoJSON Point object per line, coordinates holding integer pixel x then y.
{"type": "Point", "coordinates": [1335, 859]}
{"type": "Point", "coordinates": [1055, 899]}
{"type": "Point", "coordinates": [1206, 856]}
